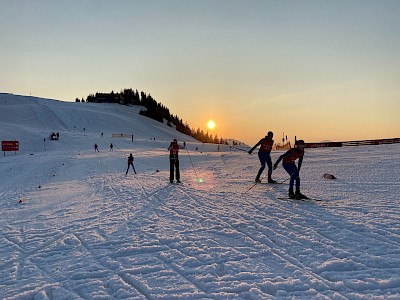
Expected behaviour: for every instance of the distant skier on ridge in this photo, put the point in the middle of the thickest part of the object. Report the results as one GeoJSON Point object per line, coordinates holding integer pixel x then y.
{"type": "Point", "coordinates": [264, 155]}
{"type": "Point", "coordinates": [288, 164]}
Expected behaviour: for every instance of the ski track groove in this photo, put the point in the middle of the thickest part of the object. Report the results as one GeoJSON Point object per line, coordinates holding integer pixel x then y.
{"type": "Point", "coordinates": [170, 265]}
{"type": "Point", "coordinates": [297, 207]}
{"type": "Point", "coordinates": [314, 214]}
{"type": "Point", "coordinates": [279, 251]}
{"type": "Point", "coordinates": [98, 260]}
{"type": "Point", "coordinates": [346, 249]}
{"type": "Point", "coordinates": [28, 253]}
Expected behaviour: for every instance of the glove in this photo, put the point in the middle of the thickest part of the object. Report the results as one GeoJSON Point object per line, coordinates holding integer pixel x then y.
{"type": "Point", "coordinates": [275, 166]}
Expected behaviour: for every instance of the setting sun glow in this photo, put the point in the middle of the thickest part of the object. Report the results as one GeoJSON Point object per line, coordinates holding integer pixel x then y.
{"type": "Point", "coordinates": [211, 124]}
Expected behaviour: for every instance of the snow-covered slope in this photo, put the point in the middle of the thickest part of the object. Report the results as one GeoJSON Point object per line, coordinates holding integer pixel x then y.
{"type": "Point", "coordinates": [30, 120]}
{"type": "Point", "coordinates": [73, 226]}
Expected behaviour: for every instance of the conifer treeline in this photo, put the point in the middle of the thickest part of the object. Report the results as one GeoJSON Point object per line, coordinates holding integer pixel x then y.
{"type": "Point", "coordinates": [154, 110]}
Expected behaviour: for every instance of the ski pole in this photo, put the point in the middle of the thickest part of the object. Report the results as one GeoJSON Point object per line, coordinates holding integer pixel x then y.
{"type": "Point", "coordinates": [239, 149]}
{"type": "Point", "coordinates": [270, 189]}
{"type": "Point", "coordinates": [192, 164]}
{"type": "Point", "coordinates": [254, 184]}
{"type": "Point", "coordinates": [285, 180]}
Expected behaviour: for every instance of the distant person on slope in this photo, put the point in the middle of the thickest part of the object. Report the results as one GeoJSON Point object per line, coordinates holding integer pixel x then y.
{"type": "Point", "coordinates": [289, 157]}
{"type": "Point", "coordinates": [174, 161]}
{"type": "Point", "coordinates": [130, 163]}
{"type": "Point", "coordinates": [111, 147]}
{"type": "Point", "coordinates": [96, 148]}
{"type": "Point", "coordinates": [264, 156]}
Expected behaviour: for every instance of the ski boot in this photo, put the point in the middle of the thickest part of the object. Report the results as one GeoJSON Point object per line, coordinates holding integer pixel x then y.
{"type": "Point", "coordinates": [292, 195]}
{"type": "Point", "coordinates": [270, 180]}
{"type": "Point", "coordinates": [300, 195]}
{"type": "Point", "coordinates": [178, 181]}
{"type": "Point", "coordinates": [258, 179]}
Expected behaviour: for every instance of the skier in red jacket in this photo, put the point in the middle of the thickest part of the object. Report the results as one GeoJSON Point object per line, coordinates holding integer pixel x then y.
{"type": "Point", "coordinates": [174, 161]}
{"type": "Point", "coordinates": [288, 164]}
{"type": "Point", "coordinates": [264, 156]}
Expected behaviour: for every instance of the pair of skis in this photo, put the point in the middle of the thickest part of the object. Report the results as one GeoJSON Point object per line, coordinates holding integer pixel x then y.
{"type": "Point", "coordinates": [281, 198]}
{"type": "Point", "coordinates": [271, 188]}
{"type": "Point", "coordinates": [298, 199]}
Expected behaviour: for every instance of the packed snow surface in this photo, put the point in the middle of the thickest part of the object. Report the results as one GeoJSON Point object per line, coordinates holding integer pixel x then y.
{"type": "Point", "coordinates": [73, 226]}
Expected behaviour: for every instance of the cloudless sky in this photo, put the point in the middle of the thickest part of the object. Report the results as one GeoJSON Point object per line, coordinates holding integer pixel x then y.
{"type": "Point", "coordinates": [320, 70]}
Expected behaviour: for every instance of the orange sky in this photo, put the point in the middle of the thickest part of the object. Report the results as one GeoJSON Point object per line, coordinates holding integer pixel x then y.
{"type": "Point", "coordinates": [321, 70]}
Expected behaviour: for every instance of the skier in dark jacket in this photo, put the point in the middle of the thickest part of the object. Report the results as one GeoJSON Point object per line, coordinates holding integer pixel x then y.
{"type": "Point", "coordinates": [264, 155]}
{"type": "Point", "coordinates": [288, 159]}
{"type": "Point", "coordinates": [130, 163]}
{"type": "Point", "coordinates": [174, 161]}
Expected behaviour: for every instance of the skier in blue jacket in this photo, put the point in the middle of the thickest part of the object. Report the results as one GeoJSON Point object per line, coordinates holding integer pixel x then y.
{"type": "Point", "coordinates": [265, 144]}
{"type": "Point", "coordinates": [288, 164]}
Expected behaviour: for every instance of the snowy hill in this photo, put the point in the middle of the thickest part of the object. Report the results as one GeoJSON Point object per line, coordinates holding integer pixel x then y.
{"type": "Point", "coordinates": [31, 119]}
{"type": "Point", "coordinates": [73, 226]}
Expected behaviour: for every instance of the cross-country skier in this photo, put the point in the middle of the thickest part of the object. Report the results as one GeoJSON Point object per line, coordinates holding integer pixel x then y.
{"type": "Point", "coordinates": [174, 161]}
{"type": "Point", "coordinates": [264, 155]}
{"type": "Point", "coordinates": [288, 164]}
{"type": "Point", "coordinates": [130, 163]}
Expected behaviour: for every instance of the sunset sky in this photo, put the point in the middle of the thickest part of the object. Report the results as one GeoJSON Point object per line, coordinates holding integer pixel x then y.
{"type": "Point", "coordinates": [320, 70]}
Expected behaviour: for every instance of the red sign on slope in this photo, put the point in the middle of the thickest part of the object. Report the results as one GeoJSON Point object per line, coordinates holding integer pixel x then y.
{"type": "Point", "coordinates": [9, 145]}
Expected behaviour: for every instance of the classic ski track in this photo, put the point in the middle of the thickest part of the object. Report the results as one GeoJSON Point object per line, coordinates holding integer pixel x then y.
{"type": "Point", "coordinates": [170, 265]}
{"type": "Point", "coordinates": [322, 203]}
{"type": "Point", "coordinates": [63, 232]}
{"type": "Point", "coordinates": [187, 255]}
{"type": "Point", "coordinates": [58, 282]}
{"type": "Point", "coordinates": [118, 274]}
{"type": "Point", "coordinates": [26, 254]}
{"type": "Point", "coordinates": [346, 249]}
{"type": "Point", "coordinates": [156, 211]}
{"type": "Point", "coordinates": [333, 243]}
{"type": "Point", "coordinates": [181, 274]}
{"type": "Point", "coordinates": [312, 214]}
{"type": "Point", "coordinates": [280, 252]}
{"type": "Point", "coordinates": [340, 246]}
{"type": "Point", "coordinates": [376, 223]}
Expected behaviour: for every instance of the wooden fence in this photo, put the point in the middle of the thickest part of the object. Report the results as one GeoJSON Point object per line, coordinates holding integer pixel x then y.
{"type": "Point", "coordinates": [353, 143]}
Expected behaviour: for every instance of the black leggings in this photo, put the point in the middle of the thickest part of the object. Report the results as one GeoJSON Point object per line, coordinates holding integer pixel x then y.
{"type": "Point", "coordinates": [174, 164]}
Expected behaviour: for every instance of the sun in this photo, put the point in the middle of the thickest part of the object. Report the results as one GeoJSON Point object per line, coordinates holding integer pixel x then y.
{"type": "Point", "coordinates": [211, 124]}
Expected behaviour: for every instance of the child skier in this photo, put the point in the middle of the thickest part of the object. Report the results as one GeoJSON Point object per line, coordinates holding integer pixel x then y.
{"type": "Point", "coordinates": [264, 156]}
{"type": "Point", "coordinates": [130, 163]}
{"type": "Point", "coordinates": [288, 164]}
